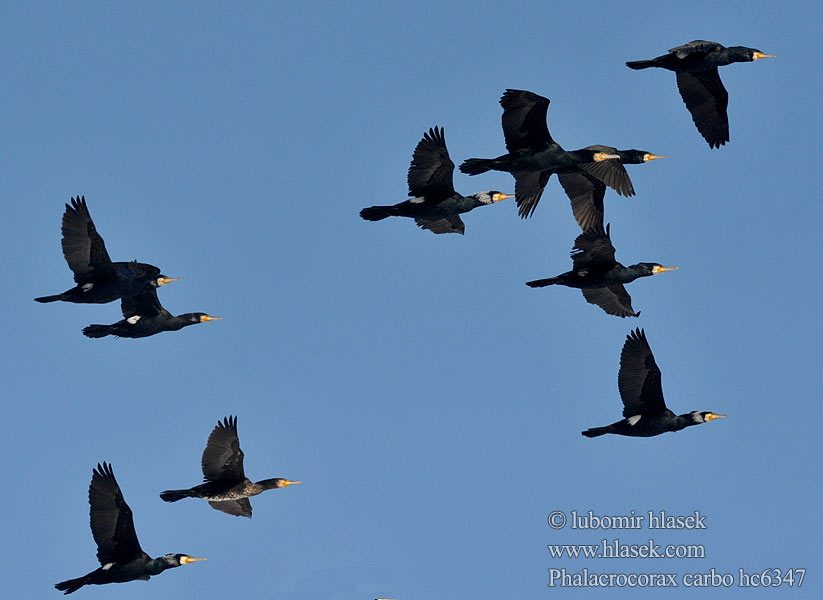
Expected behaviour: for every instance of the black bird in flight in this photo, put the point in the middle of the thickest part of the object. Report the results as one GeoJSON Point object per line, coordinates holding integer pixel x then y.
{"type": "Point", "coordinates": [120, 555]}
{"type": "Point", "coordinates": [586, 192]}
{"type": "Point", "coordinates": [599, 276]}
{"type": "Point", "coordinates": [534, 156]}
{"type": "Point", "coordinates": [144, 316]}
{"type": "Point", "coordinates": [644, 409]}
{"type": "Point", "coordinates": [435, 205]}
{"type": "Point", "coordinates": [99, 280]}
{"type": "Point", "coordinates": [695, 65]}
{"type": "Point", "coordinates": [226, 486]}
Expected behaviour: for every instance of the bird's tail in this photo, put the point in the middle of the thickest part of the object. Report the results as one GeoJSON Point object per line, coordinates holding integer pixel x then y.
{"type": "Point", "coordinates": [596, 431]}
{"type": "Point", "coordinates": [640, 64]}
{"type": "Point", "coordinates": [175, 495]}
{"type": "Point", "coordinates": [543, 282]}
{"type": "Point", "coordinates": [54, 298]}
{"type": "Point", "coordinates": [71, 585]}
{"type": "Point", "coordinates": [97, 331]}
{"type": "Point", "coordinates": [475, 166]}
{"type": "Point", "coordinates": [378, 213]}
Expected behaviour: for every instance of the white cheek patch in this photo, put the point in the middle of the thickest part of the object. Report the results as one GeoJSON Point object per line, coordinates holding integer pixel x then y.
{"type": "Point", "coordinates": [133, 320]}
{"type": "Point", "coordinates": [633, 420]}
{"type": "Point", "coordinates": [108, 566]}
{"type": "Point", "coordinates": [87, 286]}
{"type": "Point", "coordinates": [418, 200]}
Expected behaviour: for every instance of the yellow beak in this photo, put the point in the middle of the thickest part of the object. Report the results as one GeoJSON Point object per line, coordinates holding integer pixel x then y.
{"type": "Point", "coordinates": [761, 55]}
{"type": "Point", "coordinates": [190, 559]}
{"type": "Point", "coordinates": [713, 416]}
{"type": "Point", "coordinates": [205, 318]}
{"type": "Point", "coordinates": [648, 157]}
{"type": "Point", "coordinates": [499, 197]}
{"type": "Point", "coordinates": [288, 483]}
{"type": "Point", "coordinates": [165, 280]}
{"type": "Point", "coordinates": [603, 156]}
{"type": "Point", "coordinates": [661, 269]}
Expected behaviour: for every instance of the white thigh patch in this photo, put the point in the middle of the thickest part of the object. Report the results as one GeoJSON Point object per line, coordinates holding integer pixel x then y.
{"type": "Point", "coordinates": [135, 318]}
{"type": "Point", "coordinates": [87, 286]}
{"type": "Point", "coordinates": [633, 420]}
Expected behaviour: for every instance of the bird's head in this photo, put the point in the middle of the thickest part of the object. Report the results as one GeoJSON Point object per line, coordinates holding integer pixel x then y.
{"type": "Point", "coordinates": [163, 280]}
{"type": "Point", "coordinates": [277, 482]}
{"type": "Point", "coordinates": [705, 416]}
{"type": "Point", "coordinates": [647, 269]}
{"type": "Point", "coordinates": [743, 54]}
{"type": "Point", "coordinates": [175, 560]}
{"type": "Point", "coordinates": [492, 196]}
{"type": "Point", "coordinates": [638, 157]}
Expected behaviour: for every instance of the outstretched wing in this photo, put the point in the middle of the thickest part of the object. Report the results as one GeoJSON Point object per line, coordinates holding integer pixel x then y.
{"type": "Point", "coordinates": [592, 248]}
{"type": "Point", "coordinates": [613, 299]}
{"type": "Point", "coordinates": [528, 187]}
{"type": "Point", "coordinates": [111, 519]}
{"type": "Point", "coordinates": [695, 47]}
{"type": "Point", "coordinates": [238, 508]}
{"type": "Point", "coordinates": [586, 194]}
{"type": "Point", "coordinates": [431, 171]}
{"type": "Point", "coordinates": [83, 248]}
{"type": "Point", "coordinates": [223, 459]}
{"type": "Point", "coordinates": [452, 224]}
{"type": "Point", "coordinates": [144, 304]}
{"type": "Point", "coordinates": [639, 377]}
{"type": "Point", "coordinates": [707, 101]}
{"type": "Point", "coordinates": [610, 171]}
{"type": "Point", "coordinates": [524, 120]}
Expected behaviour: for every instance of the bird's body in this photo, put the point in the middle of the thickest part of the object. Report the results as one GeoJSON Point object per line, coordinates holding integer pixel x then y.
{"type": "Point", "coordinates": [644, 410]}
{"type": "Point", "coordinates": [586, 192]}
{"type": "Point", "coordinates": [118, 550]}
{"type": "Point", "coordinates": [99, 280]}
{"type": "Point", "coordinates": [435, 204]}
{"type": "Point", "coordinates": [599, 275]}
{"type": "Point", "coordinates": [533, 156]}
{"type": "Point", "coordinates": [695, 65]}
{"type": "Point", "coordinates": [145, 316]}
{"type": "Point", "coordinates": [226, 487]}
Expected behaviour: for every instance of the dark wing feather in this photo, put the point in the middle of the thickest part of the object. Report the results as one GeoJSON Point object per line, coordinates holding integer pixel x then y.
{"type": "Point", "coordinates": [111, 519]}
{"type": "Point", "coordinates": [223, 459]}
{"type": "Point", "coordinates": [697, 46]}
{"type": "Point", "coordinates": [431, 171]}
{"type": "Point", "coordinates": [453, 224]}
{"type": "Point", "coordinates": [524, 120]}
{"type": "Point", "coordinates": [83, 248]}
{"type": "Point", "coordinates": [238, 508]}
{"type": "Point", "coordinates": [613, 299]}
{"type": "Point", "coordinates": [612, 173]}
{"type": "Point", "coordinates": [586, 195]}
{"type": "Point", "coordinates": [528, 187]}
{"type": "Point", "coordinates": [145, 304]}
{"type": "Point", "coordinates": [639, 377]}
{"type": "Point", "coordinates": [707, 101]}
{"type": "Point", "coordinates": [593, 247]}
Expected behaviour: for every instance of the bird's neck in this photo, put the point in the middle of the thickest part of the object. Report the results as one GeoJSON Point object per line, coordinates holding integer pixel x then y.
{"type": "Point", "coordinates": [158, 565]}
{"type": "Point", "coordinates": [631, 273]}
{"type": "Point", "coordinates": [686, 420]}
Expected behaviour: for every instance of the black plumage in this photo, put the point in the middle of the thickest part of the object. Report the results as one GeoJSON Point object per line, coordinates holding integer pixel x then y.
{"type": "Point", "coordinates": [695, 65]}
{"type": "Point", "coordinates": [534, 156]}
{"type": "Point", "coordinates": [118, 550]}
{"type": "Point", "coordinates": [99, 280]}
{"type": "Point", "coordinates": [644, 410]}
{"type": "Point", "coordinates": [226, 486]}
{"type": "Point", "coordinates": [144, 316]}
{"type": "Point", "coordinates": [435, 205]}
{"type": "Point", "coordinates": [599, 276]}
{"type": "Point", "coordinates": [586, 192]}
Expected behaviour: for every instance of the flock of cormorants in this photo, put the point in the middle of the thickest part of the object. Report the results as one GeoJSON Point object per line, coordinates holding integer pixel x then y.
{"type": "Point", "coordinates": [532, 158]}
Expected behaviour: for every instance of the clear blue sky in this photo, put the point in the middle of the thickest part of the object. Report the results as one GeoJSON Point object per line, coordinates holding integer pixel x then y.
{"type": "Point", "coordinates": [431, 402]}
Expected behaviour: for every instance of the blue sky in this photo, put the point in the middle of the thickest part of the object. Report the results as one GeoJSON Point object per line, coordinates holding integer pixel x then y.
{"type": "Point", "coordinates": [431, 402]}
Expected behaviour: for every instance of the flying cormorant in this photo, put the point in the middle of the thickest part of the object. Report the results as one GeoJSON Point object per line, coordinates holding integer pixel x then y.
{"type": "Point", "coordinates": [226, 486]}
{"type": "Point", "coordinates": [695, 65]}
{"type": "Point", "coordinates": [534, 156]}
{"type": "Point", "coordinates": [435, 205]}
{"type": "Point", "coordinates": [99, 280]}
{"type": "Point", "coordinates": [120, 555]}
{"type": "Point", "coordinates": [644, 409]}
{"type": "Point", "coordinates": [144, 316]}
{"type": "Point", "coordinates": [586, 192]}
{"type": "Point", "coordinates": [599, 276]}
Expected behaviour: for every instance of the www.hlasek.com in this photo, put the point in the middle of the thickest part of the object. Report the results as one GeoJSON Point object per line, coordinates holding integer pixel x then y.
{"type": "Point", "coordinates": [651, 520]}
